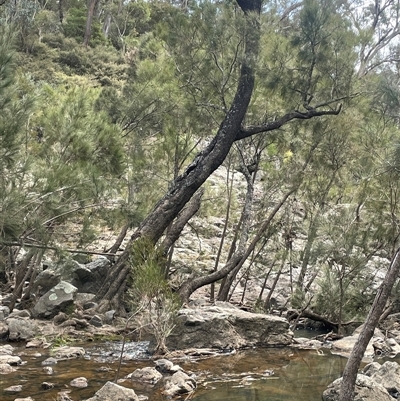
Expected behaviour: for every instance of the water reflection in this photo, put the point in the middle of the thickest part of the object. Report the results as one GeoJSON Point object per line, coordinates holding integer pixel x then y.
{"type": "Point", "coordinates": [251, 375]}
{"type": "Point", "coordinates": [298, 375]}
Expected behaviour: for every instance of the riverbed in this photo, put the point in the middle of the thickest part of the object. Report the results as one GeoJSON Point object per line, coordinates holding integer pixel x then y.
{"type": "Point", "coordinates": [273, 374]}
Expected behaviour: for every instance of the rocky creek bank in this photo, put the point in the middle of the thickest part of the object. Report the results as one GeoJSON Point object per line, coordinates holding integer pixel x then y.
{"type": "Point", "coordinates": [64, 310]}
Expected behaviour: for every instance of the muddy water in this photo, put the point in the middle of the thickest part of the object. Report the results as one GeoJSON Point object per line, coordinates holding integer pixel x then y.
{"type": "Point", "coordinates": [251, 375]}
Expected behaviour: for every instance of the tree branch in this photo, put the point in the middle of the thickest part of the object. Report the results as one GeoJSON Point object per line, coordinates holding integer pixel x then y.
{"type": "Point", "coordinates": [293, 115]}
{"type": "Point", "coordinates": [54, 248]}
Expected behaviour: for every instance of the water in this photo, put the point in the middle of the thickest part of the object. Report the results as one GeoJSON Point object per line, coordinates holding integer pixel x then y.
{"type": "Point", "coordinates": [250, 375]}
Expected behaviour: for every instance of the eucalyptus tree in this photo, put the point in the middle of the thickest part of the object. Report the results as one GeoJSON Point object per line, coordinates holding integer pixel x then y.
{"type": "Point", "coordinates": [314, 89]}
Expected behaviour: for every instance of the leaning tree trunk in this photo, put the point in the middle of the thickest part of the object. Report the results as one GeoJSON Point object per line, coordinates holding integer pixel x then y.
{"type": "Point", "coordinates": [209, 159]}
{"type": "Point", "coordinates": [206, 162]}
{"type": "Point", "coordinates": [353, 364]}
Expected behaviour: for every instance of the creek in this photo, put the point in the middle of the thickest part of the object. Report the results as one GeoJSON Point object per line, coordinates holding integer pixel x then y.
{"type": "Point", "coordinates": [272, 374]}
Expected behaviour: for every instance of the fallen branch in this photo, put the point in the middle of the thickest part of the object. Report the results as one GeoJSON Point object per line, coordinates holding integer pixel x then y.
{"type": "Point", "coordinates": [54, 248]}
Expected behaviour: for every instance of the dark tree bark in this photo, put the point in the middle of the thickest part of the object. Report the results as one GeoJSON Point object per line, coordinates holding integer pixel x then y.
{"type": "Point", "coordinates": [205, 163]}
{"type": "Point", "coordinates": [353, 364]}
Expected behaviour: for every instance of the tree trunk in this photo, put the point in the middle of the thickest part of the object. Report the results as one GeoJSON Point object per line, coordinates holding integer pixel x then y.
{"type": "Point", "coordinates": [89, 20]}
{"type": "Point", "coordinates": [244, 234]}
{"type": "Point", "coordinates": [353, 364]}
{"type": "Point", "coordinates": [207, 161]}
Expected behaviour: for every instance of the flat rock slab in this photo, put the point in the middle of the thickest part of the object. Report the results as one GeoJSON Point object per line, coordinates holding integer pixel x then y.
{"type": "Point", "coordinates": [224, 326]}
{"type": "Point", "coordinates": [111, 391]}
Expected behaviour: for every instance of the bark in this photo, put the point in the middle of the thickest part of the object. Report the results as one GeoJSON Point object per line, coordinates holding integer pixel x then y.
{"type": "Point", "coordinates": [274, 284]}
{"type": "Point", "coordinates": [313, 316]}
{"type": "Point", "coordinates": [206, 162]}
{"type": "Point", "coordinates": [121, 236]}
{"type": "Point", "coordinates": [353, 363]}
{"type": "Point", "coordinates": [223, 235]}
{"type": "Point", "coordinates": [246, 219]}
{"type": "Point", "coordinates": [89, 21]}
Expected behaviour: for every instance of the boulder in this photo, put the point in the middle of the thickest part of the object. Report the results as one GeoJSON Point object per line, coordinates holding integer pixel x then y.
{"type": "Point", "coordinates": [59, 298]}
{"type": "Point", "coordinates": [345, 345]}
{"type": "Point", "coordinates": [10, 359]}
{"type": "Point", "coordinates": [145, 375]}
{"type": "Point", "coordinates": [21, 329]}
{"type": "Point", "coordinates": [79, 382]}
{"type": "Point", "coordinates": [387, 375]}
{"type": "Point", "coordinates": [87, 278]}
{"type": "Point", "coordinates": [6, 349]}
{"type": "Point", "coordinates": [67, 352]}
{"type": "Point", "coordinates": [5, 368]}
{"type": "Point", "coordinates": [366, 389]}
{"type": "Point", "coordinates": [224, 326]}
{"type": "Point", "coordinates": [98, 271]}
{"type": "Point", "coordinates": [114, 392]}
{"type": "Point", "coordinates": [166, 366]}
{"type": "Point", "coordinates": [179, 383]}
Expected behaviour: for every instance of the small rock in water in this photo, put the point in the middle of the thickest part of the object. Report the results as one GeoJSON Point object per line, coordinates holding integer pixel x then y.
{"type": "Point", "coordinates": [63, 396]}
{"type": "Point", "coordinates": [47, 385]}
{"type": "Point", "coordinates": [49, 361]}
{"type": "Point", "coordinates": [10, 359]}
{"type": "Point", "coordinates": [14, 389]}
{"type": "Point", "coordinates": [37, 343]}
{"type": "Point", "coordinates": [166, 366]}
{"type": "Point", "coordinates": [6, 368]}
{"type": "Point", "coordinates": [48, 370]}
{"type": "Point", "coordinates": [145, 375]}
{"type": "Point", "coordinates": [80, 382]}
{"type": "Point", "coordinates": [24, 399]}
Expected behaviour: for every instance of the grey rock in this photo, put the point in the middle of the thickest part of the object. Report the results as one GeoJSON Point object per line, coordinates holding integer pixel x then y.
{"type": "Point", "coordinates": [59, 298]}
{"type": "Point", "coordinates": [96, 321]}
{"type": "Point", "coordinates": [111, 391]}
{"type": "Point", "coordinates": [366, 389]}
{"type": "Point", "coordinates": [14, 389]}
{"type": "Point", "coordinates": [98, 270]}
{"type": "Point", "coordinates": [5, 368]}
{"type": "Point", "coordinates": [45, 281]}
{"type": "Point", "coordinates": [83, 298]}
{"type": "Point", "coordinates": [4, 312]}
{"type": "Point", "coordinates": [49, 361]}
{"type": "Point", "coordinates": [21, 329]}
{"type": "Point", "coordinates": [67, 352]}
{"type": "Point", "coordinates": [61, 317]}
{"type": "Point", "coordinates": [179, 383]}
{"type": "Point", "coordinates": [10, 359]}
{"type": "Point", "coordinates": [79, 382]}
{"type": "Point", "coordinates": [145, 375]}
{"type": "Point", "coordinates": [166, 366]}
{"type": "Point", "coordinates": [48, 370]}
{"type": "Point", "coordinates": [6, 349]}
{"type": "Point", "coordinates": [202, 327]}
{"type": "Point", "coordinates": [90, 305]}
{"type": "Point", "coordinates": [20, 313]}
{"type": "Point", "coordinates": [47, 385]}
{"type": "Point", "coordinates": [109, 316]}
{"type": "Point", "coordinates": [388, 375]}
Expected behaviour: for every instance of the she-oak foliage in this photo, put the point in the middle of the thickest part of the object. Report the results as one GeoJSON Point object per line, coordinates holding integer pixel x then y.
{"type": "Point", "coordinates": [178, 82]}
